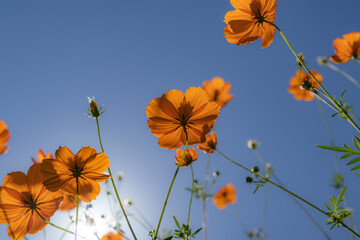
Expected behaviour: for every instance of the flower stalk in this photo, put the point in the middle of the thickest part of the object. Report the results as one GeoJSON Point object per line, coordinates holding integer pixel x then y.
{"type": "Point", "coordinates": [113, 183]}
{"type": "Point", "coordinates": [289, 192]}
{"type": "Point", "coordinates": [338, 106]}
{"type": "Point", "coordinates": [192, 193]}
{"type": "Point", "coordinates": [171, 185]}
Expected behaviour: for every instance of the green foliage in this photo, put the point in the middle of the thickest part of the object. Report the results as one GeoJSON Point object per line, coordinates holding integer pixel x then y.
{"type": "Point", "coordinates": [337, 214]}
{"type": "Point", "coordinates": [184, 231]}
{"type": "Point", "coordinates": [349, 152]}
{"type": "Point", "coordinates": [262, 179]}
{"type": "Point", "coordinates": [342, 113]}
{"type": "Point", "coordinates": [337, 181]}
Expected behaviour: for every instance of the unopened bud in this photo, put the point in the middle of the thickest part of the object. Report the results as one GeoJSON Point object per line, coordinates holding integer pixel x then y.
{"type": "Point", "coordinates": [120, 176]}
{"type": "Point", "coordinates": [94, 110]}
{"type": "Point", "coordinates": [249, 179]}
{"type": "Point", "coordinates": [252, 144]}
{"type": "Point", "coordinates": [216, 173]}
{"type": "Point", "coordinates": [128, 202]}
{"type": "Point", "coordinates": [302, 59]}
{"type": "Point", "coordinates": [322, 61]}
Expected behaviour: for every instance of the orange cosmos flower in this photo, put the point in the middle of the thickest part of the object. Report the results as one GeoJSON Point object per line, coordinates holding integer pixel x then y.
{"type": "Point", "coordinates": [68, 203]}
{"type": "Point", "coordinates": [40, 157]}
{"type": "Point", "coordinates": [176, 114]}
{"type": "Point", "coordinates": [71, 172]}
{"type": "Point", "coordinates": [4, 136]}
{"type": "Point", "coordinates": [346, 48]}
{"type": "Point", "coordinates": [112, 236]}
{"type": "Point", "coordinates": [23, 198]}
{"type": "Point", "coordinates": [250, 20]}
{"type": "Point", "coordinates": [225, 195]}
{"type": "Point", "coordinates": [190, 156]}
{"type": "Point", "coordinates": [218, 91]}
{"type": "Point", "coordinates": [209, 145]}
{"type": "Point", "coordinates": [302, 83]}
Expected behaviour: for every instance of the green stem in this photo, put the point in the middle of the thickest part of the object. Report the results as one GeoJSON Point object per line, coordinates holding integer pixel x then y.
{"type": "Point", "coordinates": [48, 222]}
{"type": "Point", "coordinates": [336, 161]}
{"type": "Point", "coordinates": [339, 107]}
{"type": "Point", "coordinates": [171, 184]}
{"type": "Point", "coordinates": [114, 186]}
{"type": "Point", "coordinates": [192, 193]}
{"type": "Point", "coordinates": [287, 191]}
{"type": "Point", "coordinates": [62, 236]}
{"type": "Point", "coordinates": [294, 199]}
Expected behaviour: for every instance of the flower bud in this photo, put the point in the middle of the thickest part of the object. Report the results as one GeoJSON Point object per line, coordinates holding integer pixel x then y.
{"type": "Point", "coordinates": [252, 144]}
{"type": "Point", "coordinates": [94, 110]}
{"type": "Point", "coordinates": [249, 179]}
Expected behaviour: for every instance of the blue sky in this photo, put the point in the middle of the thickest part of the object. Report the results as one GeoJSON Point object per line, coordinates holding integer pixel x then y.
{"type": "Point", "coordinates": [55, 54]}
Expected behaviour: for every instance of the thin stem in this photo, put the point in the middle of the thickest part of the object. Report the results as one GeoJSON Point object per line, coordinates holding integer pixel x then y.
{"type": "Point", "coordinates": [204, 225]}
{"type": "Point", "coordinates": [266, 212]}
{"type": "Point", "coordinates": [113, 183]}
{"type": "Point", "coordinates": [339, 107]}
{"type": "Point", "coordinates": [143, 218]}
{"type": "Point", "coordinates": [289, 192]}
{"type": "Point", "coordinates": [62, 236]}
{"type": "Point", "coordinates": [192, 193]}
{"type": "Point", "coordinates": [242, 223]}
{"type": "Point", "coordinates": [336, 161]}
{"type": "Point", "coordinates": [328, 131]}
{"type": "Point", "coordinates": [44, 234]}
{"type": "Point", "coordinates": [77, 207]}
{"type": "Point", "coordinates": [294, 199]}
{"type": "Point", "coordinates": [344, 73]}
{"type": "Point", "coordinates": [48, 222]}
{"type": "Point", "coordinates": [171, 184]}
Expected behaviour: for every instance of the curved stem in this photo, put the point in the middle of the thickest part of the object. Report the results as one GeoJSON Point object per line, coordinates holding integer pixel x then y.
{"type": "Point", "coordinates": [113, 183]}
{"type": "Point", "coordinates": [48, 222]}
{"type": "Point", "coordinates": [192, 193]}
{"type": "Point", "coordinates": [339, 107]}
{"type": "Point", "coordinates": [287, 191]}
{"type": "Point", "coordinates": [171, 184]}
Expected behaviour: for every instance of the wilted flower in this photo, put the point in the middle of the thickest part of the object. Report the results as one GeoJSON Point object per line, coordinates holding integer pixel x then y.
{"type": "Point", "coordinates": [302, 83]}
{"type": "Point", "coordinates": [76, 173]}
{"type": "Point", "coordinates": [252, 144]}
{"type": "Point", "coordinates": [225, 195]}
{"type": "Point", "coordinates": [120, 176]}
{"type": "Point", "coordinates": [216, 173]}
{"type": "Point", "coordinates": [128, 202]}
{"type": "Point", "coordinates": [23, 198]}
{"type": "Point", "coordinates": [4, 136]}
{"type": "Point", "coordinates": [322, 61]}
{"type": "Point", "coordinates": [190, 156]}
{"type": "Point", "coordinates": [346, 48]}
{"type": "Point", "coordinates": [218, 91]}
{"type": "Point", "coordinates": [250, 20]}
{"type": "Point", "coordinates": [209, 145]}
{"type": "Point", "coordinates": [175, 115]}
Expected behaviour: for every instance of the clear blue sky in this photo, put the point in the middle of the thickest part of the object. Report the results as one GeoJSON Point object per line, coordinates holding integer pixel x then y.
{"type": "Point", "coordinates": [54, 54]}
